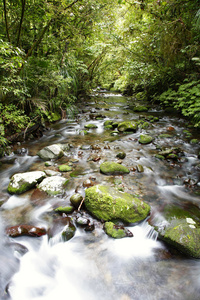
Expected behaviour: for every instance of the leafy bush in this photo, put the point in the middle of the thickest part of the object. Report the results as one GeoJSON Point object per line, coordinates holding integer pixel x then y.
{"type": "Point", "coordinates": [186, 99]}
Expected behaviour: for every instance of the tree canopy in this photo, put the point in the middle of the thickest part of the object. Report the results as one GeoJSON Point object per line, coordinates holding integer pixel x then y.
{"type": "Point", "coordinates": [53, 51]}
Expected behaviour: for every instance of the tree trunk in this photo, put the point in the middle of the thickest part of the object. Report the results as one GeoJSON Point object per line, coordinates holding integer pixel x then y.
{"type": "Point", "coordinates": [21, 21]}
{"type": "Point", "coordinates": [6, 20]}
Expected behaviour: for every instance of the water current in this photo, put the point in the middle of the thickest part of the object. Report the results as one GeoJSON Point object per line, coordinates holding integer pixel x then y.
{"type": "Point", "coordinates": [92, 265]}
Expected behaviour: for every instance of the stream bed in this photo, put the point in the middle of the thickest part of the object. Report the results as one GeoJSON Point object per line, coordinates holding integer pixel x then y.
{"type": "Point", "coordinates": [92, 265]}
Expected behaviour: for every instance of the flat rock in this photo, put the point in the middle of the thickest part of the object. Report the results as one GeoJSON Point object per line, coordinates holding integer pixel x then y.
{"type": "Point", "coordinates": [53, 185]}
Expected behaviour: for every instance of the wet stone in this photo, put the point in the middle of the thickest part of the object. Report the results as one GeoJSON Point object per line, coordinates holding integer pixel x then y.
{"type": "Point", "coordinates": [76, 199]}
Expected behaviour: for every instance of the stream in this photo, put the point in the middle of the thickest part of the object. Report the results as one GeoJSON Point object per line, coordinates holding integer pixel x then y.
{"type": "Point", "coordinates": [92, 265]}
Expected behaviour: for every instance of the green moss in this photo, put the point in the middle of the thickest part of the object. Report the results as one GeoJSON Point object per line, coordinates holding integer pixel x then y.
{"type": "Point", "coordinates": [145, 139]}
{"type": "Point", "coordinates": [127, 126]}
{"type": "Point", "coordinates": [108, 204]}
{"type": "Point", "coordinates": [160, 156]}
{"type": "Point", "coordinates": [140, 108]}
{"type": "Point", "coordinates": [164, 135]}
{"type": "Point", "coordinates": [113, 168]}
{"type": "Point", "coordinates": [108, 122]}
{"type": "Point", "coordinates": [90, 126]}
{"type": "Point", "coordinates": [108, 127]}
{"type": "Point", "coordinates": [64, 168]}
{"type": "Point", "coordinates": [66, 210]}
{"type": "Point", "coordinates": [22, 189]}
{"type": "Point", "coordinates": [114, 232]}
{"type": "Point", "coordinates": [184, 238]}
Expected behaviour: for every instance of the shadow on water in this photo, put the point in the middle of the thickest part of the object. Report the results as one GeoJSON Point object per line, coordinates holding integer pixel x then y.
{"type": "Point", "coordinates": [91, 265]}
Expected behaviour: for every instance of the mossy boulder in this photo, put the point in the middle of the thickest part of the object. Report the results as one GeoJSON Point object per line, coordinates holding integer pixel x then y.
{"type": "Point", "coordinates": [116, 231]}
{"type": "Point", "coordinates": [53, 185]}
{"type": "Point", "coordinates": [22, 182]}
{"type": "Point", "coordinates": [183, 234]}
{"type": "Point", "coordinates": [113, 168]}
{"type": "Point", "coordinates": [127, 126]}
{"type": "Point", "coordinates": [107, 203]}
{"type": "Point", "coordinates": [180, 228]}
{"type": "Point", "coordinates": [54, 151]}
{"type": "Point", "coordinates": [91, 126]}
{"type": "Point", "coordinates": [145, 139]}
{"type": "Point", "coordinates": [64, 168]}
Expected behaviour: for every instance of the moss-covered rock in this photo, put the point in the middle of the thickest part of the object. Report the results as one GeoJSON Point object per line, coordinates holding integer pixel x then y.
{"type": "Point", "coordinates": [127, 126]}
{"type": "Point", "coordinates": [121, 155]}
{"type": "Point", "coordinates": [140, 108]}
{"type": "Point", "coordinates": [22, 182]}
{"type": "Point", "coordinates": [107, 203]}
{"type": "Point", "coordinates": [53, 185]}
{"type": "Point", "coordinates": [91, 126]}
{"type": "Point", "coordinates": [145, 139]}
{"type": "Point", "coordinates": [115, 231]}
{"type": "Point", "coordinates": [64, 168]}
{"type": "Point", "coordinates": [183, 234]}
{"type": "Point", "coordinates": [180, 228]}
{"type": "Point", "coordinates": [66, 209]}
{"type": "Point", "coordinates": [76, 199]}
{"type": "Point", "coordinates": [108, 123]}
{"type": "Point", "coordinates": [113, 168]}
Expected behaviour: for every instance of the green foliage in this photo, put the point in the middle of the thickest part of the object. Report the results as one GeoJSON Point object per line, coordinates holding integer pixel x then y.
{"type": "Point", "coordinates": [13, 119]}
{"type": "Point", "coordinates": [186, 99]}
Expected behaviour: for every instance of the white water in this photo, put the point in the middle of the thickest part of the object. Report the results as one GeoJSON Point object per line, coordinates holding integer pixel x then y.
{"type": "Point", "coordinates": [73, 269]}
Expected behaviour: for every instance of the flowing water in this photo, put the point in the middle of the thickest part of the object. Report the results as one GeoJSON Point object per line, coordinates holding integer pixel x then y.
{"type": "Point", "coordinates": [91, 265]}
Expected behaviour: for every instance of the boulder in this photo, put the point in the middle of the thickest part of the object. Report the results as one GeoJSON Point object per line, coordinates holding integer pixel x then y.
{"type": "Point", "coordinates": [183, 234]}
{"type": "Point", "coordinates": [22, 182]}
{"type": "Point", "coordinates": [116, 231]}
{"type": "Point", "coordinates": [127, 126]}
{"type": "Point", "coordinates": [107, 203]}
{"type": "Point", "coordinates": [113, 168]}
{"type": "Point", "coordinates": [53, 185]}
{"type": "Point", "coordinates": [54, 151]}
{"type": "Point", "coordinates": [180, 229]}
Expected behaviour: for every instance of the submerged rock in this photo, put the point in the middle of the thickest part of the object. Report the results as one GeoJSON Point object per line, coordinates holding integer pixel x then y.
{"type": "Point", "coordinates": [27, 230]}
{"type": "Point", "coordinates": [22, 182]}
{"type": "Point", "coordinates": [127, 126]}
{"type": "Point", "coordinates": [113, 168]}
{"type": "Point", "coordinates": [54, 151]}
{"type": "Point", "coordinates": [62, 229]}
{"type": "Point", "coordinates": [116, 231]}
{"type": "Point", "coordinates": [53, 185]}
{"type": "Point", "coordinates": [107, 203]}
